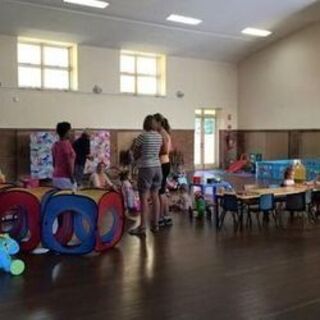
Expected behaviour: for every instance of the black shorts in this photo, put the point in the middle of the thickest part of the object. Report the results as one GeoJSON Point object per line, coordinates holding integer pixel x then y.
{"type": "Point", "coordinates": [165, 167]}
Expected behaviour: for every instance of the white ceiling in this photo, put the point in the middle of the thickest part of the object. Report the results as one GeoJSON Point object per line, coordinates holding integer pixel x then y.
{"type": "Point", "coordinates": [142, 25]}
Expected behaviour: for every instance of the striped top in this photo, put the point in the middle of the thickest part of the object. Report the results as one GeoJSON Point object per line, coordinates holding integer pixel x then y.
{"type": "Point", "coordinates": [148, 146]}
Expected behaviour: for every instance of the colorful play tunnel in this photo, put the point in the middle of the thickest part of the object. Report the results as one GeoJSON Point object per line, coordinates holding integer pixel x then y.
{"type": "Point", "coordinates": [62, 221]}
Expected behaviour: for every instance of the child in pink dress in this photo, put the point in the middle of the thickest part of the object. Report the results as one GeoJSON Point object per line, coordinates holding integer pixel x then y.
{"type": "Point", "coordinates": [130, 196]}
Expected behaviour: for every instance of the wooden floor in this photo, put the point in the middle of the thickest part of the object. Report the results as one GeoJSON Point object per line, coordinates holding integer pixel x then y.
{"type": "Point", "coordinates": [187, 272]}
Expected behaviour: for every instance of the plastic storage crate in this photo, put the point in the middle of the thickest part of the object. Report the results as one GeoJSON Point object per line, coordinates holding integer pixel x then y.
{"type": "Point", "coordinates": [274, 170]}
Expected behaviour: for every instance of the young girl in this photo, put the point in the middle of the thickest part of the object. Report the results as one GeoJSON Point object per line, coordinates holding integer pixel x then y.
{"type": "Point", "coordinates": [63, 157]}
{"type": "Point", "coordinates": [130, 197]}
{"type": "Point", "coordinates": [288, 177]}
{"type": "Point", "coordinates": [99, 179]}
{"type": "Point", "coordinates": [185, 199]}
{"type": "Point", "coordinates": [164, 129]}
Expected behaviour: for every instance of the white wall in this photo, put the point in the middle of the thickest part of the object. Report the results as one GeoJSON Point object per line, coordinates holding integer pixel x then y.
{"type": "Point", "coordinates": [8, 58]}
{"type": "Point", "coordinates": [279, 87]}
{"type": "Point", "coordinates": [205, 84]}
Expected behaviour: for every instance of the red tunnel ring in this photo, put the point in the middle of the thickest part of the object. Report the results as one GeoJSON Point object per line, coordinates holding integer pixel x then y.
{"type": "Point", "coordinates": [64, 230]}
{"type": "Point", "coordinates": [111, 202]}
{"type": "Point", "coordinates": [31, 204]}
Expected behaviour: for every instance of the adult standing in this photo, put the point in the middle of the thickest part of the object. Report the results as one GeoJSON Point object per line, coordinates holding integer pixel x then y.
{"type": "Point", "coordinates": [82, 148]}
{"type": "Point", "coordinates": [63, 158]}
{"type": "Point", "coordinates": [146, 150]}
{"type": "Point", "coordinates": [164, 129]}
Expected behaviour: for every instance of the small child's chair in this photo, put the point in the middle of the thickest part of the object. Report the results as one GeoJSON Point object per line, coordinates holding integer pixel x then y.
{"type": "Point", "coordinates": [230, 204]}
{"type": "Point", "coordinates": [266, 205]}
{"type": "Point", "coordinates": [298, 203]}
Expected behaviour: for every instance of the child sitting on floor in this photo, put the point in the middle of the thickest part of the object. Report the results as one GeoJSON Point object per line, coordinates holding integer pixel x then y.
{"type": "Point", "coordinates": [130, 197]}
{"type": "Point", "coordinates": [185, 202]}
{"type": "Point", "coordinates": [288, 179]}
{"type": "Point", "coordinates": [99, 179]}
{"type": "Point", "coordinates": [177, 179]}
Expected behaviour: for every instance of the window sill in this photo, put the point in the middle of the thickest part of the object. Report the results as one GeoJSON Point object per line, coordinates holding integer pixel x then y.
{"type": "Point", "coordinates": [142, 95]}
{"type": "Point", "coordinates": [76, 91]}
{"type": "Point", "coordinates": [47, 89]}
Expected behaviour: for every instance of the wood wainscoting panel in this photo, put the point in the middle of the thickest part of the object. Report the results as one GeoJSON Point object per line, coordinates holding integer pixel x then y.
{"type": "Point", "coordinates": [15, 148]}
{"type": "Point", "coordinates": [310, 144]}
{"type": "Point", "coordinates": [8, 153]}
{"type": "Point", "coordinates": [277, 145]}
{"type": "Point", "coordinates": [124, 141]}
{"type": "Point", "coordinates": [183, 141]}
{"type": "Point", "coordinates": [23, 153]}
{"type": "Point", "coordinates": [254, 142]}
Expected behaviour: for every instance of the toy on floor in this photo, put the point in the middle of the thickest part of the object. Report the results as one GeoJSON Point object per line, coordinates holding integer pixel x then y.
{"type": "Point", "coordinates": [200, 205]}
{"type": "Point", "coordinates": [2, 177]}
{"type": "Point", "coordinates": [8, 248]}
{"type": "Point", "coordinates": [239, 164]}
{"type": "Point", "coordinates": [177, 179]}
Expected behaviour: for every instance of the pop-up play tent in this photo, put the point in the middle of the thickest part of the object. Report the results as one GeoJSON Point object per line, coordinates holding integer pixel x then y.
{"type": "Point", "coordinates": [63, 221]}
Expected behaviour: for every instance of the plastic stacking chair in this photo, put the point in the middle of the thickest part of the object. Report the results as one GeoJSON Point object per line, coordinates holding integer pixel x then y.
{"type": "Point", "coordinates": [230, 204]}
{"type": "Point", "coordinates": [309, 206]}
{"type": "Point", "coordinates": [316, 203]}
{"type": "Point", "coordinates": [296, 203]}
{"type": "Point", "coordinates": [265, 206]}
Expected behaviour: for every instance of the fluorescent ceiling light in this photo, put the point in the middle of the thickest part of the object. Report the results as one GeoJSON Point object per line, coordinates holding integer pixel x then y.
{"type": "Point", "coordinates": [89, 3]}
{"type": "Point", "coordinates": [183, 19]}
{"type": "Point", "coordinates": [256, 32]}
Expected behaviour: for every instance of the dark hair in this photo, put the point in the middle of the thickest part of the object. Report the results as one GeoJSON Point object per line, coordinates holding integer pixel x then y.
{"type": "Point", "coordinates": [166, 126]}
{"type": "Point", "coordinates": [63, 128]}
{"type": "Point", "coordinates": [287, 173]}
{"type": "Point", "coordinates": [124, 175]}
{"type": "Point", "coordinates": [158, 117]}
{"type": "Point", "coordinates": [101, 163]}
{"type": "Point", "coordinates": [163, 121]}
{"type": "Point", "coordinates": [148, 123]}
{"type": "Point", "coordinates": [85, 135]}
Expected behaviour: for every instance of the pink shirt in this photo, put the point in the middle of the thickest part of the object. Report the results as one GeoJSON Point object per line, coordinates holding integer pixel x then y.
{"type": "Point", "coordinates": [63, 159]}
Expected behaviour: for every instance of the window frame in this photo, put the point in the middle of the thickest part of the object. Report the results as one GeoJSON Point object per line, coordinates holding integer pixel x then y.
{"type": "Point", "coordinates": [202, 114]}
{"type": "Point", "coordinates": [42, 66]}
{"type": "Point", "coordinates": [159, 76]}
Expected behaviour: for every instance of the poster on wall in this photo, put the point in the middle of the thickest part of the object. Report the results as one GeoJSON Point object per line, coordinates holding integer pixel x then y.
{"type": "Point", "coordinates": [41, 156]}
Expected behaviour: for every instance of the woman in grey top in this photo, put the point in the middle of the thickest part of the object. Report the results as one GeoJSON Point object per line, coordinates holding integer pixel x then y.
{"type": "Point", "coordinates": [147, 149]}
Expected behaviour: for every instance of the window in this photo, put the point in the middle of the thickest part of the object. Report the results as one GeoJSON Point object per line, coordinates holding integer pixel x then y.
{"type": "Point", "coordinates": [142, 74]}
{"type": "Point", "coordinates": [45, 65]}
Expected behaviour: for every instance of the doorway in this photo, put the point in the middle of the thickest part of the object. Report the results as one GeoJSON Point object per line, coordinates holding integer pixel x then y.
{"type": "Point", "coordinates": [205, 136]}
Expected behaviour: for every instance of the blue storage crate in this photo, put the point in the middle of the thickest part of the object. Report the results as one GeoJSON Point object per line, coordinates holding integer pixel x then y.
{"type": "Point", "coordinates": [274, 170]}
{"type": "Point", "coordinates": [313, 168]}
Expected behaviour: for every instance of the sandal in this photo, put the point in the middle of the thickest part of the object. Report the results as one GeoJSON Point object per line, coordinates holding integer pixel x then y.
{"type": "Point", "coordinates": [138, 231]}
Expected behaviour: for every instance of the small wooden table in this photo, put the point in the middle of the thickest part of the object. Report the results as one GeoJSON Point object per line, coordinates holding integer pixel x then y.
{"type": "Point", "coordinates": [249, 196]}
{"type": "Point", "coordinates": [277, 192]}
